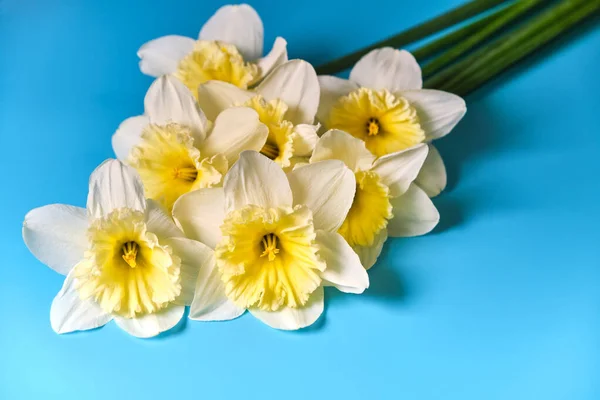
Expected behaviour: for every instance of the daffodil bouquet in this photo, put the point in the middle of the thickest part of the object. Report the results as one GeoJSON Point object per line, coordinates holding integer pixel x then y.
{"type": "Point", "coordinates": [251, 183]}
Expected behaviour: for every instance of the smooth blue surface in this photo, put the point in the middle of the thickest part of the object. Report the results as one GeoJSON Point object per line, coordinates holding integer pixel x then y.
{"type": "Point", "coordinates": [501, 302]}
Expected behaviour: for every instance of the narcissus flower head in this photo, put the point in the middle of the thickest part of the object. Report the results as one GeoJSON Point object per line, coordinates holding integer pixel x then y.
{"type": "Point", "coordinates": [384, 104]}
{"type": "Point", "coordinates": [386, 202]}
{"type": "Point", "coordinates": [229, 49]}
{"type": "Point", "coordinates": [276, 241]}
{"type": "Point", "coordinates": [124, 258]}
{"type": "Point", "coordinates": [175, 149]}
{"type": "Point", "coordinates": [286, 102]}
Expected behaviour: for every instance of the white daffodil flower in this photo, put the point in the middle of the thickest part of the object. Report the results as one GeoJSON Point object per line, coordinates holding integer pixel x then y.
{"type": "Point", "coordinates": [384, 105]}
{"type": "Point", "coordinates": [124, 258]}
{"type": "Point", "coordinates": [229, 48]}
{"type": "Point", "coordinates": [276, 241]}
{"type": "Point", "coordinates": [286, 101]}
{"type": "Point", "coordinates": [175, 149]}
{"type": "Point", "coordinates": [387, 202]}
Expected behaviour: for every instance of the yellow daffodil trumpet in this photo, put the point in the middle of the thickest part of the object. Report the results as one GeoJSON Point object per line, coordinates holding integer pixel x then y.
{"type": "Point", "coordinates": [384, 104]}
{"type": "Point", "coordinates": [123, 257]}
{"type": "Point", "coordinates": [276, 241]}
{"type": "Point", "coordinates": [387, 202]}
{"type": "Point", "coordinates": [286, 102]}
{"type": "Point", "coordinates": [229, 49]}
{"type": "Point", "coordinates": [175, 149]}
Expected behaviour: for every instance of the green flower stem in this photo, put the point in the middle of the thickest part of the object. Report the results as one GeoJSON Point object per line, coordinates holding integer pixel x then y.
{"type": "Point", "coordinates": [414, 34]}
{"type": "Point", "coordinates": [478, 62]}
{"type": "Point", "coordinates": [568, 18]}
{"type": "Point", "coordinates": [506, 17]}
{"type": "Point", "coordinates": [438, 45]}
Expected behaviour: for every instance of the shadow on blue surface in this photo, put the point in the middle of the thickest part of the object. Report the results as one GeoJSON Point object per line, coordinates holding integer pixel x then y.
{"type": "Point", "coordinates": [480, 134]}
{"type": "Point", "coordinates": [386, 284]}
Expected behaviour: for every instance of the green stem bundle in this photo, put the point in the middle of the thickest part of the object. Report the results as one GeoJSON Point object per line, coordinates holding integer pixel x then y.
{"type": "Point", "coordinates": [484, 64]}
{"type": "Point", "coordinates": [443, 43]}
{"type": "Point", "coordinates": [462, 61]}
{"type": "Point", "coordinates": [497, 21]}
{"type": "Point", "coordinates": [414, 34]}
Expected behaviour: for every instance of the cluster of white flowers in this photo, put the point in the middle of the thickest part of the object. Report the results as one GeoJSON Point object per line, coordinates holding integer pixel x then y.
{"type": "Point", "coordinates": [248, 183]}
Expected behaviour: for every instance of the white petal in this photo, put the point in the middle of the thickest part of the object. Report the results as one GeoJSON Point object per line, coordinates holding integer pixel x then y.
{"type": "Point", "coordinates": [414, 214]}
{"type": "Point", "coordinates": [168, 100]}
{"type": "Point", "coordinates": [339, 145]}
{"type": "Point", "coordinates": [235, 130]}
{"type": "Point", "coordinates": [114, 185]}
{"type": "Point", "coordinates": [69, 313]}
{"type": "Point", "coordinates": [388, 68]}
{"type": "Point", "coordinates": [159, 222]}
{"type": "Point", "coordinates": [438, 111]}
{"type": "Point", "coordinates": [254, 179]}
{"type": "Point", "coordinates": [368, 254]}
{"type": "Point", "coordinates": [194, 257]}
{"type": "Point", "coordinates": [432, 177]}
{"type": "Point", "coordinates": [305, 139]}
{"type": "Point", "coordinates": [294, 318]}
{"type": "Point", "coordinates": [161, 56]}
{"type": "Point", "coordinates": [210, 302]}
{"type": "Point", "coordinates": [238, 25]}
{"type": "Point", "coordinates": [216, 96]}
{"type": "Point", "coordinates": [277, 56]}
{"type": "Point", "coordinates": [128, 135]}
{"type": "Point", "coordinates": [56, 235]}
{"type": "Point", "coordinates": [150, 325]}
{"type": "Point", "coordinates": [344, 269]}
{"type": "Point", "coordinates": [200, 214]}
{"type": "Point", "coordinates": [327, 188]}
{"type": "Point", "coordinates": [332, 88]}
{"type": "Point", "coordinates": [296, 83]}
{"type": "Point", "coordinates": [398, 170]}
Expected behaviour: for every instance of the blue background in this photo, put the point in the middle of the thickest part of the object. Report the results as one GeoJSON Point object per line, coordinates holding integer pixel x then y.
{"type": "Point", "coordinates": [501, 301]}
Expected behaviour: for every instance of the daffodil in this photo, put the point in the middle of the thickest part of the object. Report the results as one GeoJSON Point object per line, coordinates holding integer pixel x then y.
{"type": "Point", "coordinates": [123, 257]}
{"type": "Point", "coordinates": [387, 202]}
{"type": "Point", "coordinates": [175, 149]}
{"type": "Point", "coordinates": [276, 241]}
{"type": "Point", "coordinates": [229, 48]}
{"type": "Point", "coordinates": [286, 101]}
{"type": "Point", "coordinates": [384, 105]}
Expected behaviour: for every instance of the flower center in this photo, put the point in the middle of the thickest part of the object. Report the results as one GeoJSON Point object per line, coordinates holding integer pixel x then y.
{"type": "Point", "coordinates": [270, 150]}
{"type": "Point", "coordinates": [391, 122]}
{"type": "Point", "coordinates": [269, 246]}
{"type": "Point", "coordinates": [126, 270]}
{"type": "Point", "coordinates": [170, 165]}
{"type": "Point", "coordinates": [370, 211]}
{"type": "Point", "coordinates": [373, 127]}
{"type": "Point", "coordinates": [129, 253]}
{"type": "Point", "coordinates": [268, 257]}
{"type": "Point", "coordinates": [218, 61]}
{"type": "Point", "coordinates": [188, 174]}
{"type": "Point", "coordinates": [279, 145]}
